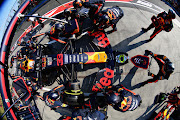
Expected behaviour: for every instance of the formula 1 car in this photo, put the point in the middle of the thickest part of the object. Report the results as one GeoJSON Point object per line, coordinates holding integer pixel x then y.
{"type": "Point", "coordinates": [50, 61]}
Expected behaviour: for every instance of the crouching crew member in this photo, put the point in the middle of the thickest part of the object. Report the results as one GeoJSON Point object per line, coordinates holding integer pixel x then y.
{"type": "Point", "coordinates": [122, 99]}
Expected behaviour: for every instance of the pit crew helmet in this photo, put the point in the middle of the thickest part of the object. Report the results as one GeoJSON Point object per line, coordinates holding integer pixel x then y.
{"type": "Point", "coordinates": [77, 3]}
{"type": "Point", "coordinates": [28, 82]}
{"type": "Point", "coordinates": [172, 14]}
{"type": "Point", "coordinates": [53, 95]}
{"type": "Point", "coordinates": [59, 27]}
{"type": "Point", "coordinates": [104, 19]}
{"type": "Point", "coordinates": [169, 67]}
{"type": "Point", "coordinates": [113, 98]}
{"type": "Point", "coordinates": [66, 12]}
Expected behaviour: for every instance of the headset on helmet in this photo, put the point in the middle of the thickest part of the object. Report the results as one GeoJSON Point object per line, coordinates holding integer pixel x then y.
{"type": "Point", "coordinates": [113, 98]}
{"type": "Point", "coordinates": [77, 3]}
{"type": "Point", "coordinates": [170, 67]}
{"type": "Point", "coordinates": [54, 95]}
{"type": "Point", "coordinates": [172, 14]}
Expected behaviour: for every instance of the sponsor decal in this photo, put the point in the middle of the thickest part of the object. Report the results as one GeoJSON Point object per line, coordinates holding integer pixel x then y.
{"type": "Point", "coordinates": [59, 59]}
{"type": "Point", "coordinates": [140, 61]}
{"type": "Point", "coordinates": [100, 39]}
{"type": "Point", "coordinates": [111, 14]}
{"type": "Point", "coordinates": [49, 61]}
{"type": "Point", "coordinates": [44, 62]}
{"type": "Point", "coordinates": [105, 80]}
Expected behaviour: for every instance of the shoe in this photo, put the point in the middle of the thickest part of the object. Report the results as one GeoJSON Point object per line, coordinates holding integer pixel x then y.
{"type": "Point", "coordinates": [115, 29]}
{"type": "Point", "coordinates": [150, 39]}
{"type": "Point", "coordinates": [147, 41]}
{"type": "Point", "coordinates": [140, 103]}
{"type": "Point", "coordinates": [147, 52]}
{"type": "Point", "coordinates": [144, 30]}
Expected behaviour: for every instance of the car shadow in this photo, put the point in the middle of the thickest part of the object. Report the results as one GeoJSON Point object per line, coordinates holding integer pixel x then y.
{"type": "Point", "coordinates": [117, 75]}
{"type": "Point", "coordinates": [127, 80]}
{"type": "Point", "coordinates": [124, 46]}
{"type": "Point", "coordinates": [88, 83]}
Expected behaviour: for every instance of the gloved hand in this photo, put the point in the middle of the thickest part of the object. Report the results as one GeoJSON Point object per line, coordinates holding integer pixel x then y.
{"type": "Point", "coordinates": [149, 73]}
{"type": "Point", "coordinates": [45, 94]}
{"type": "Point", "coordinates": [47, 33]}
{"type": "Point", "coordinates": [33, 38]}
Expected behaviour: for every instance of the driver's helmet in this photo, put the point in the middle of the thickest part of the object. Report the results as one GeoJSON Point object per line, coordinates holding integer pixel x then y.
{"type": "Point", "coordinates": [53, 95]}
{"type": "Point", "coordinates": [104, 19]}
{"type": "Point", "coordinates": [172, 14]}
{"type": "Point", "coordinates": [113, 99]}
{"type": "Point", "coordinates": [77, 3]}
{"type": "Point", "coordinates": [169, 67]}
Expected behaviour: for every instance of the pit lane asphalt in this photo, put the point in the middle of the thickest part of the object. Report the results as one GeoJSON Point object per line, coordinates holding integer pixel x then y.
{"type": "Point", "coordinates": [128, 38]}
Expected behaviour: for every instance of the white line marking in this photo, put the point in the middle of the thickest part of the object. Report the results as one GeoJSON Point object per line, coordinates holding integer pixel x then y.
{"type": "Point", "coordinates": [119, 1]}
{"type": "Point", "coordinates": [176, 22]}
{"type": "Point", "coordinates": [145, 3]}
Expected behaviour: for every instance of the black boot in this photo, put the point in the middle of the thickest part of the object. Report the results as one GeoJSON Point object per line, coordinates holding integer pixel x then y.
{"type": "Point", "coordinates": [149, 40]}
{"type": "Point", "coordinates": [144, 30]}
{"type": "Point", "coordinates": [147, 52]}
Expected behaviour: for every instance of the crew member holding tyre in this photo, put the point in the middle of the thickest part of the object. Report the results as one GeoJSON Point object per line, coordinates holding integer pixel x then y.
{"type": "Point", "coordinates": [54, 100]}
